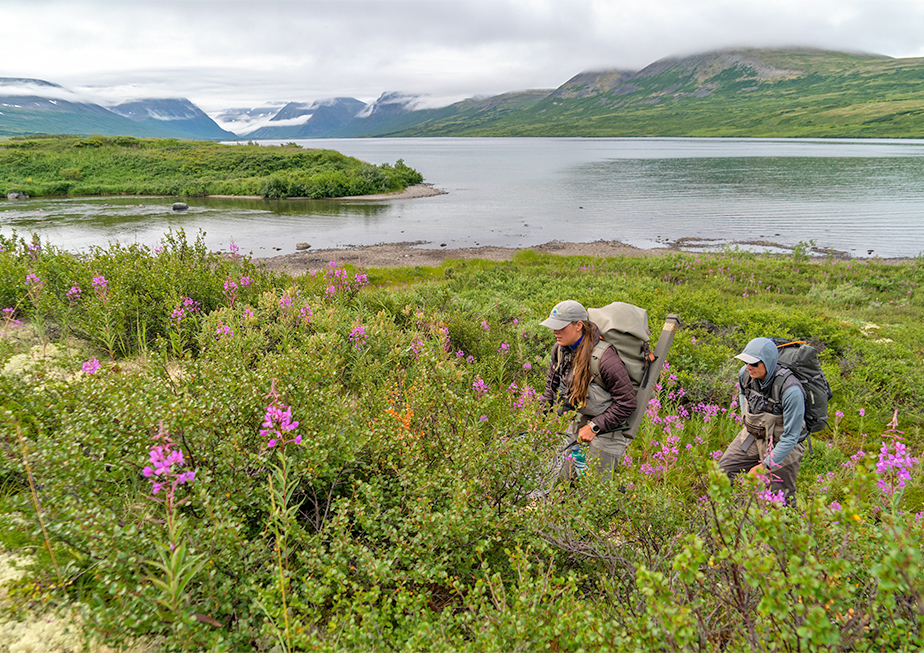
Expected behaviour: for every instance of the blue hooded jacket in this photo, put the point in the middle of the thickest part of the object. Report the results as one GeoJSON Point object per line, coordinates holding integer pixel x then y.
{"type": "Point", "coordinates": [793, 401]}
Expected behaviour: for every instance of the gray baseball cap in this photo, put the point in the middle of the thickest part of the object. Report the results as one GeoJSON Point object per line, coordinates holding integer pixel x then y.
{"type": "Point", "coordinates": [564, 314]}
{"type": "Point", "coordinates": [752, 351]}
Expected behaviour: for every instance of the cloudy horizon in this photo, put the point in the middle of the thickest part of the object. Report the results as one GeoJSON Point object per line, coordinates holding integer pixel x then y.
{"type": "Point", "coordinates": [224, 54]}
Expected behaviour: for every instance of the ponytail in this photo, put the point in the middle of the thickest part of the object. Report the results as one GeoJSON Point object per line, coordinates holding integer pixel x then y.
{"type": "Point", "coordinates": [581, 366]}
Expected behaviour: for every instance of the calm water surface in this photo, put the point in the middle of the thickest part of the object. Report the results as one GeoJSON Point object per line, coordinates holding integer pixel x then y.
{"type": "Point", "coordinates": [853, 196]}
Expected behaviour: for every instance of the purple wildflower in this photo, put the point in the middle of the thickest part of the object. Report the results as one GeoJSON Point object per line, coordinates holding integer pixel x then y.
{"type": "Point", "coordinates": [164, 470]}
{"type": "Point", "coordinates": [479, 386]}
{"type": "Point", "coordinates": [91, 366]}
{"type": "Point", "coordinates": [277, 421]}
{"type": "Point", "coordinates": [358, 337]}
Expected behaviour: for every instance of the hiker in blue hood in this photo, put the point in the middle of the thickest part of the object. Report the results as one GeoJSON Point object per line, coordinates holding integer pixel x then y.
{"type": "Point", "coordinates": [773, 405]}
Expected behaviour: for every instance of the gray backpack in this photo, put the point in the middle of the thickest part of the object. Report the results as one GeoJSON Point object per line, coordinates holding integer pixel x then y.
{"type": "Point", "coordinates": [625, 327]}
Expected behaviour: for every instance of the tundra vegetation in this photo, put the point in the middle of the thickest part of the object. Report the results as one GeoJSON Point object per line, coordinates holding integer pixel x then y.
{"type": "Point", "coordinates": [198, 454]}
{"type": "Point", "coordinates": [99, 165]}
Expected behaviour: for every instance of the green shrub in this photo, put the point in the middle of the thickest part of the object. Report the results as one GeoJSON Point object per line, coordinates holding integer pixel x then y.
{"type": "Point", "coordinates": [401, 513]}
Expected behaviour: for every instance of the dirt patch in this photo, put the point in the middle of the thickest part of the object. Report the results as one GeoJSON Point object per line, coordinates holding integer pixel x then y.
{"type": "Point", "coordinates": [409, 254]}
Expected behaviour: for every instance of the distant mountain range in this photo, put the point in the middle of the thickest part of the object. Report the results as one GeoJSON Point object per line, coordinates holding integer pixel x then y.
{"type": "Point", "coordinates": [740, 92]}
{"type": "Point", "coordinates": [31, 106]}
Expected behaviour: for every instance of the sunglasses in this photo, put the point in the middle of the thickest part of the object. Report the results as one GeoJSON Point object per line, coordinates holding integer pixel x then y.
{"type": "Point", "coordinates": [757, 364]}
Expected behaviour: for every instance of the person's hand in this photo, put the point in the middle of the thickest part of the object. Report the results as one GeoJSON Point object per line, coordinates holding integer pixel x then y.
{"type": "Point", "coordinates": [586, 434]}
{"type": "Point", "coordinates": [757, 469]}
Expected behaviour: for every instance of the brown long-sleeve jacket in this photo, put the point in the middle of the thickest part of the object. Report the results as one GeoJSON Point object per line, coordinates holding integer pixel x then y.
{"type": "Point", "coordinates": [613, 375]}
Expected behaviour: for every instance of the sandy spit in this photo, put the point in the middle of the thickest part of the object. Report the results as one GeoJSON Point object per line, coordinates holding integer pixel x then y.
{"type": "Point", "coordinates": [410, 254]}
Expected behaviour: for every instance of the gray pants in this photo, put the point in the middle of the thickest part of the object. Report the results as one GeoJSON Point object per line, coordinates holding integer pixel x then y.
{"type": "Point", "coordinates": [735, 460]}
{"type": "Point", "coordinates": [603, 453]}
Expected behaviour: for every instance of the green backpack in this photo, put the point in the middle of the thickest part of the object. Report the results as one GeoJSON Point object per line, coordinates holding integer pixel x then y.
{"type": "Point", "coordinates": [625, 327]}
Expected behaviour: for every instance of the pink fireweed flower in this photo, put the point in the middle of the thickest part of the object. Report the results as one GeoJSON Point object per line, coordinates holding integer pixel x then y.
{"type": "Point", "coordinates": [32, 280]}
{"type": "Point", "coordinates": [862, 412]}
{"type": "Point", "coordinates": [277, 422]}
{"type": "Point", "coordinates": [484, 325]}
{"type": "Point", "coordinates": [358, 337]}
{"type": "Point", "coordinates": [479, 386]}
{"type": "Point", "coordinates": [527, 367]}
{"type": "Point", "coordinates": [717, 454]}
{"type": "Point", "coordinates": [305, 314]}
{"type": "Point", "coordinates": [100, 284]}
{"type": "Point", "coordinates": [772, 498]}
{"type": "Point", "coordinates": [164, 470]}
{"type": "Point", "coordinates": [417, 347]}
{"type": "Point", "coordinates": [245, 282]}
{"type": "Point", "coordinates": [91, 366]}
{"type": "Point", "coordinates": [895, 468]}
{"type": "Point", "coordinates": [73, 295]}
{"type": "Point", "coordinates": [285, 301]}
{"type": "Point", "coordinates": [230, 291]}
{"type": "Point", "coordinates": [504, 348]}
{"type": "Point", "coordinates": [224, 330]}
{"type": "Point", "coordinates": [184, 309]}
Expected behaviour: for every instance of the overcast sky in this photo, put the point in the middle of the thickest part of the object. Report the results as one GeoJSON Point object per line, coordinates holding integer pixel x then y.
{"type": "Point", "coordinates": [222, 54]}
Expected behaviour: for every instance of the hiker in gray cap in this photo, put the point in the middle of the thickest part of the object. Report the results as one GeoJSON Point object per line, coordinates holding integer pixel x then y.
{"type": "Point", "coordinates": [773, 404]}
{"type": "Point", "coordinates": [601, 402]}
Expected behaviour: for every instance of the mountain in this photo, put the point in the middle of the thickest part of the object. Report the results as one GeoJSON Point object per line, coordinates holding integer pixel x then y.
{"type": "Point", "coordinates": [742, 92]}
{"type": "Point", "coordinates": [319, 119]}
{"type": "Point", "coordinates": [34, 106]}
{"type": "Point", "coordinates": [739, 92]}
{"type": "Point", "coordinates": [179, 115]}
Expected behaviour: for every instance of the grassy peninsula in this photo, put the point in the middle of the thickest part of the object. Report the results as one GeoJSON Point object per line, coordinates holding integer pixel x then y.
{"type": "Point", "coordinates": [98, 165]}
{"type": "Point", "coordinates": [201, 455]}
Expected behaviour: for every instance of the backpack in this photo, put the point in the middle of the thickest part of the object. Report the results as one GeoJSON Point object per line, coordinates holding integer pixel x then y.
{"type": "Point", "coordinates": [625, 327]}
{"type": "Point", "coordinates": [801, 359]}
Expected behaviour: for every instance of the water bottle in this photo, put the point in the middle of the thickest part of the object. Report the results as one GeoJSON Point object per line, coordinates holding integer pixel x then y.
{"type": "Point", "coordinates": [580, 461]}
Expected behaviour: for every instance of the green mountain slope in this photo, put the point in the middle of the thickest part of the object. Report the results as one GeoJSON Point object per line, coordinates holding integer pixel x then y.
{"type": "Point", "coordinates": [745, 92]}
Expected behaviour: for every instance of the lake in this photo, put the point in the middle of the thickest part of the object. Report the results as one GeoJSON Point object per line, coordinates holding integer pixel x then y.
{"type": "Point", "coordinates": [862, 197]}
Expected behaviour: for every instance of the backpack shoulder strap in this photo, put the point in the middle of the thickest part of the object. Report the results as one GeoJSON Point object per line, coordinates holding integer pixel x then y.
{"type": "Point", "coordinates": [595, 357]}
{"type": "Point", "coordinates": [783, 379]}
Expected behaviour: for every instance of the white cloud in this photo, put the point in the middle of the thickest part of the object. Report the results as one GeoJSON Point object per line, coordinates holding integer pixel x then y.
{"type": "Point", "coordinates": [223, 53]}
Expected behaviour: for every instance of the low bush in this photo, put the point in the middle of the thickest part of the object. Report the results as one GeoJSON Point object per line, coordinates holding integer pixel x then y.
{"type": "Point", "coordinates": [227, 459]}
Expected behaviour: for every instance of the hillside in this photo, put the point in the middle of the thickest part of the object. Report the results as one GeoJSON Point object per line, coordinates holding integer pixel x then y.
{"type": "Point", "coordinates": [746, 92]}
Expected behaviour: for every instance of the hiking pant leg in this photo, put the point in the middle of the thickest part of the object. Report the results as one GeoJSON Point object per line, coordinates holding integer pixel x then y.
{"type": "Point", "coordinates": [784, 477]}
{"type": "Point", "coordinates": [735, 460]}
{"type": "Point", "coordinates": [606, 451]}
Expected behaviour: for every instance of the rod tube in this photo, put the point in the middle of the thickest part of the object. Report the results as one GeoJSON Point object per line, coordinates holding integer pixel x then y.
{"type": "Point", "coordinates": [665, 340]}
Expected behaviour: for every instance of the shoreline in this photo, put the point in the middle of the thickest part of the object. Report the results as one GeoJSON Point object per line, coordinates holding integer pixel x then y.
{"type": "Point", "coordinates": [411, 192]}
{"type": "Point", "coordinates": [411, 254]}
